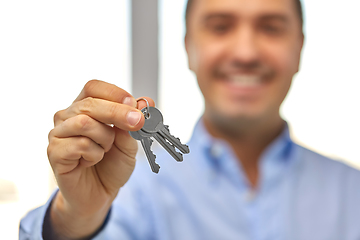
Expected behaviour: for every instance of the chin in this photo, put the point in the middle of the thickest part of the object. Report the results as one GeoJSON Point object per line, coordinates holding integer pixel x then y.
{"type": "Point", "coordinates": [237, 109]}
{"type": "Point", "coordinates": [230, 117]}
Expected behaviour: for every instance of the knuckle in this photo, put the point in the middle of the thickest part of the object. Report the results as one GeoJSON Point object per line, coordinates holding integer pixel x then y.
{"type": "Point", "coordinates": [114, 111]}
{"type": "Point", "coordinates": [51, 135]}
{"type": "Point", "coordinates": [84, 143]}
{"type": "Point", "coordinates": [58, 115]}
{"type": "Point", "coordinates": [51, 149]}
{"type": "Point", "coordinates": [113, 93]}
{"type": "Point", "coordinates": [112, 137]}
{"type": "Point", "coordinates": [83, 122]}
{"type": "Point", "coordinates": [108, 145]}
{"type": "Point", "coordinates": [52, 138]}
{"type": "Point", "coordinates": [90, 86]}
{"type": "Point", "coordinates": [98, 156]}
{"type": "Point", "coordinates": [86, 105]}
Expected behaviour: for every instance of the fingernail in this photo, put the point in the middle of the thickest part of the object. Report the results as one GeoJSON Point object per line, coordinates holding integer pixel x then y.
{"type": "Point", "coordinates": [130, 101]}
{"type": "Point", "coordinates": [133, 118]}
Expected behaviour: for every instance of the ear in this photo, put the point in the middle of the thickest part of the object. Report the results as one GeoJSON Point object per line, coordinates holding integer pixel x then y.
{"type": "Point", "coordinates": [302, 40]}
{"type": "Point", "coordinates": [187, 42]}
{"type": "Point", "coordinates": [301, 45]}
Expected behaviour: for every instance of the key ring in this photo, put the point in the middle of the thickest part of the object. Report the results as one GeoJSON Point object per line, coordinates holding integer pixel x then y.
{"type": "Point", "coordinates": [147, 111]}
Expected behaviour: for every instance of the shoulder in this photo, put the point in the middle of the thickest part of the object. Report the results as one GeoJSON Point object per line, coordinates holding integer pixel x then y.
{"type": "Point", "coordinates": [326, 167]}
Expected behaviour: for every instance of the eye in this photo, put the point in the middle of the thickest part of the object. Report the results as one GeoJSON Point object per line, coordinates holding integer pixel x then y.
{"type": "Point", "coordinates": [219, 25]}
{"type": "Point", "coordinates": [220, 28]}
{"type": "Point", "coordinates": [272, 29]}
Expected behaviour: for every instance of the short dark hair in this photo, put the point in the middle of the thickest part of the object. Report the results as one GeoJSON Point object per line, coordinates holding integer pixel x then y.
{"type": "Point", "coordinates": [298, 6]}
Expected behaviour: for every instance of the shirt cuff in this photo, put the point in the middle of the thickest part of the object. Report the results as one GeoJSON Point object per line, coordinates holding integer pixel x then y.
{"type": "Point", "coordinates": [36, 222]}
{"type": "Point", "coordinates": [31, 226]}
{"type": "Point", "coordinates": [49, 233]}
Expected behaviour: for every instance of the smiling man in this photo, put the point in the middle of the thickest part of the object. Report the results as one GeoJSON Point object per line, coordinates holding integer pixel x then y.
{"type": "Point", "coordinates": [244, 178]}
{"type": "Point", "coordinates": [244, 54]}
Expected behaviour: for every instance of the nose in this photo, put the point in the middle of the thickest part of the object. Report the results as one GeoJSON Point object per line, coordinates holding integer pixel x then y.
{"type": "Point", "coordinates": [244, 48]}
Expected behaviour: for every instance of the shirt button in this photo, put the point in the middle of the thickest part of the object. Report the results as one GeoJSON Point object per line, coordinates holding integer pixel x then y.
{"type": "Point", "coordinates": [250, 196]}
{"type": "Point", "coordinates": [216, 150]}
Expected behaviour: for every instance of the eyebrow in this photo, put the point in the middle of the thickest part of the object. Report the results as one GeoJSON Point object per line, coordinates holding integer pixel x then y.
{"type": "Point", "coordinates": [274, 17]}
{"type": "Point", "coordinates": [217, 15]}
{"type": "Point", "coordinates": [266, 17]}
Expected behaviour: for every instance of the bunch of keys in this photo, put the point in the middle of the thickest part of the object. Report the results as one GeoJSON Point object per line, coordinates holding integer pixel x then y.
{"type": "Point", "coordinates": [154, 128]}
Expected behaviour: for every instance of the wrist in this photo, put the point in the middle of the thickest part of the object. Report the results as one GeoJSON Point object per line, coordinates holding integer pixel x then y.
{"type": "Point", "coordinates": [75, 223]}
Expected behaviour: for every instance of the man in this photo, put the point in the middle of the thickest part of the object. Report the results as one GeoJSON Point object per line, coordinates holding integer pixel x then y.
{"type": "Point", "coordinates": [244, 177]}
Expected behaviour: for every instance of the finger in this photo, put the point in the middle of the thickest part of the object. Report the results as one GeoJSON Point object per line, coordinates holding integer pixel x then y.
{"type": "Point", "coordinates": [122, 116]}
{"type": "Point", "coordinates": [83, 125]}
{"type": "Point", "coordinates": [103, 90]}
{"type": "Point", "coordinates": [66, 154]}
{"type": "Point", "coordinates": [119, 162]}
{"type": "Point", "coordinates": [125, 143]}
{"type": "Point", "coordinates": [59, 117]}
{"type": "Point", "coordinates": [141, 103]}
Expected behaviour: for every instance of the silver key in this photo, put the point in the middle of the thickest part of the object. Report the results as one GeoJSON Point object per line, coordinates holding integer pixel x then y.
{"type": "Point", "coordinates": [165, 144]}
{"type": "Point", "coordinates": [154, 125]}
{"type": "Point", "coordinates": [146, 144]}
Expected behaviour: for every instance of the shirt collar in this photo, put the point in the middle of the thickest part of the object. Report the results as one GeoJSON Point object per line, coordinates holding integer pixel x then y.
{"type": "Point", "coordinates": [279, 150]}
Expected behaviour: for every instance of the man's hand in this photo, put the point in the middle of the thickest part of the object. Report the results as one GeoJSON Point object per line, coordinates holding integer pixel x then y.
{"type": "Point", "coordinates": [92, 156]}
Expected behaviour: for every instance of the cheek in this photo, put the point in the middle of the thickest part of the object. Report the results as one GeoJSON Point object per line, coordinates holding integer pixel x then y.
{"type": "Point", "coordinates": [203, 57]}
{"type": "Point", "coordinates": [284, 59]}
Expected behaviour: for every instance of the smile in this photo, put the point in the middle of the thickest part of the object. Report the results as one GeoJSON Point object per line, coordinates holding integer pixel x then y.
{"type": "Point", "coordinates": [245, 80]}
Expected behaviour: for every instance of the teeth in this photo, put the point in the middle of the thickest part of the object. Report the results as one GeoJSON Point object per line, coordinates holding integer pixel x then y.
{"type": "Point", "coordinates": [245, 80]}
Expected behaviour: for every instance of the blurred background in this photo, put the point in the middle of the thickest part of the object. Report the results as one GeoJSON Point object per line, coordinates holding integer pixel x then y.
{"type": "Point", "coordinates": [50, 49]}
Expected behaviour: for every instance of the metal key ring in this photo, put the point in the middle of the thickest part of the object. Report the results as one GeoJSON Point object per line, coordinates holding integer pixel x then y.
{"type": "Point", "coordinates": [147, 111]}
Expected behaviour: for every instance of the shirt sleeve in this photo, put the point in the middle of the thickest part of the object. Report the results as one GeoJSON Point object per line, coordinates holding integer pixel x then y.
{"type": "Point", "coordinates": [31, 225]}
{"type": "Point", "coordinates": [131, 215]}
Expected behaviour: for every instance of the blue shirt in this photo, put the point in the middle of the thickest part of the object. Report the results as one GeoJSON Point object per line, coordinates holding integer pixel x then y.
{"type": "Point", "coordinates": [301, 196]}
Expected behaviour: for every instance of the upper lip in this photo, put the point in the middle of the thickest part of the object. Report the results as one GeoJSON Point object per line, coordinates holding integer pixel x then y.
{"type": "Point", "coordinates": [229, 72]}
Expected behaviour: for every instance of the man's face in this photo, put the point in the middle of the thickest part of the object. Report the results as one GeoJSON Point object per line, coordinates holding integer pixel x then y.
{"type": "Point", "coordinates": [244, 53]}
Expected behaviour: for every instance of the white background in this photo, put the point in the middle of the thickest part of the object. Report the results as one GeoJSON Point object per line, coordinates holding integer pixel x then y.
{"type": "Point", "coordinates": [323, 106]}
{"type": "Point", "coordinates": [50, 49]}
